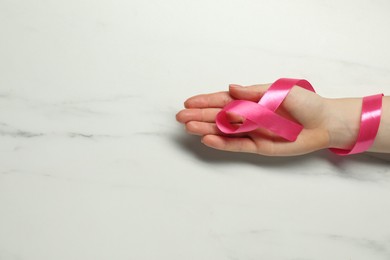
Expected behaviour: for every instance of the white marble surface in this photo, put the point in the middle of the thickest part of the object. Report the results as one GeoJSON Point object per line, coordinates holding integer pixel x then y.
{"type": "Point", "coordinates": [94, 166]}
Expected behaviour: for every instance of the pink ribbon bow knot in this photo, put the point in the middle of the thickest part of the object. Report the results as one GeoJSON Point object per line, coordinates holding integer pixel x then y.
{"type": "Point", "coordinates": [263, 114]}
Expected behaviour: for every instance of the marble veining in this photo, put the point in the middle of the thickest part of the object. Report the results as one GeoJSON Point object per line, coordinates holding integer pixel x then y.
{"type": "Point", "coordinates": [94, 166]}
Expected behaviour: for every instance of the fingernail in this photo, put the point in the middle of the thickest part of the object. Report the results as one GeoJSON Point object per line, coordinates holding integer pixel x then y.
{"type": "Point", "coordinates": [234, 86]}
{"type": "Point", "coordinates": [187, 103]}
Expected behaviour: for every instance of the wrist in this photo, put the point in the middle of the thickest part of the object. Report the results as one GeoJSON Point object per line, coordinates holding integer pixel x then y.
{"type": "Point", "coordinates": [343, 121]}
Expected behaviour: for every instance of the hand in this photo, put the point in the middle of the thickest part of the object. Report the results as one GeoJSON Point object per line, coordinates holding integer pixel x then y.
{"type": "Point", "coordinates": [301, 105]}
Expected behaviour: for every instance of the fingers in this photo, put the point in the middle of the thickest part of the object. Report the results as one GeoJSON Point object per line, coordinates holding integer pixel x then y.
{"type": "Point", "coordinates": [244, 144]}
{"type": "Point", "coordinates": [197, 114]}
{"type": "Point", "coordinates": [202, 128]}
{"type": "Point", "coordinates": [220, 99]}
{"type": "Point", "coordinates": [204, 115]}
{"type": "Point", "coordinates": [232, 144]}
{"type": "Point", "coordinates": [252, 93]}
{"type": "Point", "coordinates": [214, 100]}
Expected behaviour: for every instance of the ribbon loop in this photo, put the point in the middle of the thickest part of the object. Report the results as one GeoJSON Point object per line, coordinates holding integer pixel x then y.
{"type": "Point", "coordinates": [262, 114]}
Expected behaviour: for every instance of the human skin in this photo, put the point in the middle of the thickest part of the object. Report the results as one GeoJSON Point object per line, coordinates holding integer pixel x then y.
{"type": "Point", "coordinates": [328, 123]}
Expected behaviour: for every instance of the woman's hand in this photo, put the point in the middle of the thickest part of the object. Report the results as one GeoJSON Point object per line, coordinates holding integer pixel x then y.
{"type": "Point", "coordinates": [304, 106]}
{"type": "Point", "coordinates": [328, 123]}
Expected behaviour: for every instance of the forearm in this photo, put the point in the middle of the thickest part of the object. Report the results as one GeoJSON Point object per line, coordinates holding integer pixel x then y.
{"type": "Point", "coordinates": [343, 123]}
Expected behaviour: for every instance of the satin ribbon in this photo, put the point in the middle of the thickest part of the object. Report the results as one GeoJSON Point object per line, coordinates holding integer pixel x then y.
{"type": "Point", "coordinates": [263, 115]}
{"type": "Point", "coordinates": [369, 124]}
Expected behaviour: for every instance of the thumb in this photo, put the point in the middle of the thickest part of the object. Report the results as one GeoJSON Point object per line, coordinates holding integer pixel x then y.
{"type": "Point", "coordinates": [252, 93]}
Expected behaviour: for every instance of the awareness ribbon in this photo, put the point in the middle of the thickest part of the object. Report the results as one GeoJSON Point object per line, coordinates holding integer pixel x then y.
{"type": "Point", "coordinates": [263, 115]}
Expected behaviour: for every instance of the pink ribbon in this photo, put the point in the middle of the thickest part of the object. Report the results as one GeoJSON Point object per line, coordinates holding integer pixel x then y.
{"type": "Point", "coordinates": [369, 124]}
{"type": "Point", "coordinates": [263, 115]}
